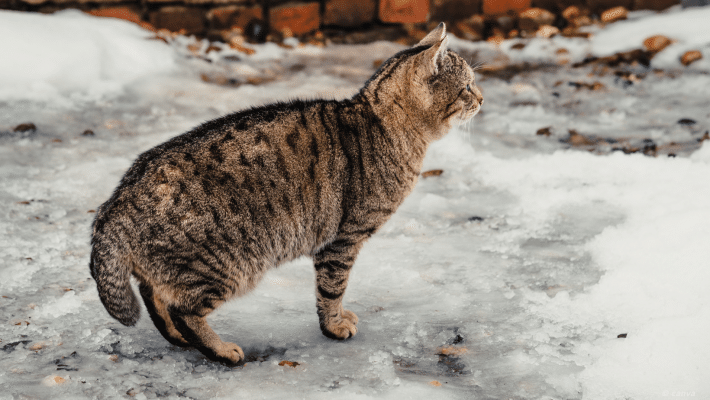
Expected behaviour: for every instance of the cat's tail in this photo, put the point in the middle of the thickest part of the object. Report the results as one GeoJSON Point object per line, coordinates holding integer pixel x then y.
{"type": "Point", "coordinates": [112, 274]}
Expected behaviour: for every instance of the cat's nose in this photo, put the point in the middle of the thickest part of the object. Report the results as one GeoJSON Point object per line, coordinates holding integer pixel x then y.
{"type": "Point", "coordinates": [480, 101]}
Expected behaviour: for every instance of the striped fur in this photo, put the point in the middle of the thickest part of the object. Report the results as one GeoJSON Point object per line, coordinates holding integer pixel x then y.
{"type": "Point", "coordinates": [199, 219]}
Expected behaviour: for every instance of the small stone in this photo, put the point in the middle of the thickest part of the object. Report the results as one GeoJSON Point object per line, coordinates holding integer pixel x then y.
{"type": "Point", "coordinates": [88, 132]}
{"type": "Point", "coordinates": [544, 131]}
{"type": "Point", "coordinates": [690, 57]}
{"type": "Point", "coordinates": [53, 380]}
{"type": "Point", "coordinates": [571, 13]}
{"type": "Point", "coordinates": [517, 46]}
{"type": "Point", "coordinates": [452, 351]}
{"type": "Point", "coordinates": [433, 172]}
{"type": "Point", "coordinates": [113, 357]}
{"type": "Point", "coordinates": [25, 127]}
{"type": "Point", "coordinates": [292, 364]}
{"type": "Point", "coordinates": [687, 121]}
{"type": "Point", "coordinates": [533, 18]}
{"type": "Point", "coordinates": [547, 31]}
{"type": "Point", "coordinates": [37, 346]}
{"type": "Point", "coordinates": [621, 336]}
{"type": "Point", "coordinates": [475, 218]}
{"type": "Point", "coordinates": [656, 43]}
{"type": "Point", "coordinates": [435, 383]}
{"type": "Point", "coordinates": [614, 14]}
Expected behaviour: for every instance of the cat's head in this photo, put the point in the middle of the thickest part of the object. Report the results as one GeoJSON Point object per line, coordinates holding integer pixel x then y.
{"type": "Point", "coordinates": [427, 85]}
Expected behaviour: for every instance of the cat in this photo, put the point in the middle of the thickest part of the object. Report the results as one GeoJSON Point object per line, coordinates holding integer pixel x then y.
{"type": "Point", "coordinates": [199, 219]}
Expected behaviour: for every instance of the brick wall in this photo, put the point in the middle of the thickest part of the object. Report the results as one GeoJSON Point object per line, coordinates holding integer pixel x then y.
{"type": "Point", "coordinates": [257, 18]}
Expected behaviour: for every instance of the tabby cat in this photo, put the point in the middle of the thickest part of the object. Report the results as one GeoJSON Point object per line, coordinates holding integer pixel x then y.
{"type": "Point", "coordinates": [199, 219]}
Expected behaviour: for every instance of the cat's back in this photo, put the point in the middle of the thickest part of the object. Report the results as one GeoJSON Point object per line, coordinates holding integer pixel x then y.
{"type": "Point", "coordinates": [272, 174]}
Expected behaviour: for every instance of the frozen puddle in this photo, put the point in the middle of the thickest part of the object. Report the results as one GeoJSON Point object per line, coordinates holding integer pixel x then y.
{"type": "Point", "coordinates": [532, 268]}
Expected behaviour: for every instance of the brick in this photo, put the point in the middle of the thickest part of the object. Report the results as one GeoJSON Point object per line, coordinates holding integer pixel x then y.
{"type": "Point", "coordinates": [233, 16]}
{"type": "Point", "coordinates": [454, 10]}
{"type": "Point", "coordinates": [404, 11]}
{"type": "Point", "coordinates": [195, 2]}
{"type": "Point", "coordinates": [178, 18]}
{"type": "Point", "coordinates": [348, 13]}
{"type": "Point", "coordinates": [132, 14]}
{"type": "Point", "coordinates": [657, 5]}
{"type": "Point", "coordinates": [299, 18]}
{"type": "Point", "coordinates": [497, 7]}
{"type": "Point", "coordinates": [60, 2]}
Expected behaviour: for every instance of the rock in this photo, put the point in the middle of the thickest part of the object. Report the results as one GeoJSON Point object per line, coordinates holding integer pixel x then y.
{"type": "Point", "coordinates": [533, 18]}
{"type": "Point", "coordinates": [614, 14]}
{"type": "Point", "coordinates": [656, 43]}
{"type": "Point", "coordinates": [517, 46]}
{"type": "Point", "coordinates": [690, 57]}
{"type": "Point", "coordinates": [621, 336]}
{"type": "Point", "coordinates": [88, 132]}
{"type": "Point", "coordinates": [687, 121]}
{"type": "Point", "coordinates": [28, 127]}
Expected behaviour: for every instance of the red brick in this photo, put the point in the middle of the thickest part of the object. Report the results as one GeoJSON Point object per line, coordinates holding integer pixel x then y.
{"type": "Point", "coordinates": [497, 7]}
{"type": "Point", "coordinates": [404, 11]}
{"type": "Point", "coordinates": [189, 20]}
{"type": "Point", "coordinates": [131, 14]}
{"type": "Point", "coordinates": [454, 10]}
{"type": "Point", "coordinates": [349, 13]}
{"type": "Point", "coordinates": [657, 5]}
{"type": "Point", "coordinates": [300, 18]}
{"type": "Point", "coordinates": [233, 16]}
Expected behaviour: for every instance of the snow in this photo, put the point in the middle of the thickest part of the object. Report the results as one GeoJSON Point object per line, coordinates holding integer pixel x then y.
{"type": "Point", "coordinates": [46, 56]}
{"type": "Point", "coordinates": [688, 28]}
{"type": "Point", "coordinates": [523, 261]}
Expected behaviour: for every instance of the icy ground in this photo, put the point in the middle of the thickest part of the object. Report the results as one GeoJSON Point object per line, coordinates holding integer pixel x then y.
{"type": "Point", "coordinates": [513, 274]}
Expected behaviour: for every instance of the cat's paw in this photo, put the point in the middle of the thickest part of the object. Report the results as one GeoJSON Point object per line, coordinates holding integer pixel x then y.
{"type": "Point", "coordinates": [227, 353]}
{"type": "Point", "coordinates": [349, 315]}
{"type": "Point", "coordinates": [342, 328]}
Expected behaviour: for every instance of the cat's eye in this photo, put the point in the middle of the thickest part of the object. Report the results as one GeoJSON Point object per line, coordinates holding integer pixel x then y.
{"type": "Point", "coordinates": [468, 87]}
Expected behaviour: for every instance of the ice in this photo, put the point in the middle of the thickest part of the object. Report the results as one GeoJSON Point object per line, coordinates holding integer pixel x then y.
{"type": "Point", "coordinates": [510, 275]}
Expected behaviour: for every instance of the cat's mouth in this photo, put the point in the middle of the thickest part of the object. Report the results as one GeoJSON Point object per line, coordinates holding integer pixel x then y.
{"type": "Point", "coordinates": [468, 112]}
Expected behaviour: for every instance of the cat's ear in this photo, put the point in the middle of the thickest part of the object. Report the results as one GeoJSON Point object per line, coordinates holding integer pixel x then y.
{"type": "Point", "coordinates": [432, 59]}
{"type": "Point", "coordinates": [435, 36]}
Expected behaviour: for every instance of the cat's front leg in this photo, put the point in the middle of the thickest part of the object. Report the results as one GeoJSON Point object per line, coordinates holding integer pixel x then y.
{"type": "Point", "coordinates": [333, 265]}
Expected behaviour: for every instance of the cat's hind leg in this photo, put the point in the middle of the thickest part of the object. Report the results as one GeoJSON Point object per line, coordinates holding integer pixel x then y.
{"type": "Point", "coordinates": [159, 314]}
{"type": "Point", "coordinates": [190, 322]}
